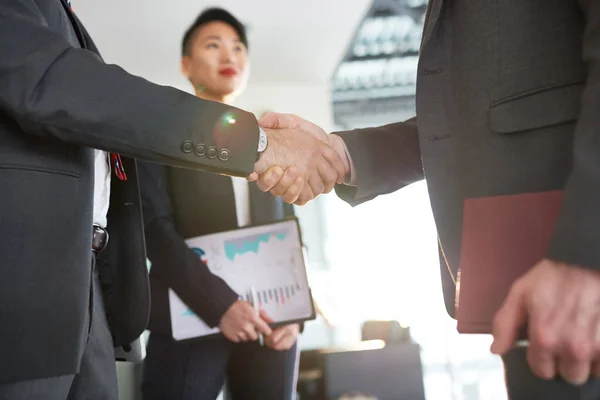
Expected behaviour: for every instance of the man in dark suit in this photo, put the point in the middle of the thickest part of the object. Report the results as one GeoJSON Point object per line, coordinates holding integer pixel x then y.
{"type": "Point", "coordinates": [508, 101]}
{"type": "Point", "coordinates": [58, 102]}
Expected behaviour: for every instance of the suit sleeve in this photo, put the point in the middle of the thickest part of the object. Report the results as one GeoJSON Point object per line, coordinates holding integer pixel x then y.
{"type": "Point", "coordinates": [54, 90]}
{"type": "Point", "coordinates": [575, 239]}
{"type": "Point", "coordinates": [384, 159]}
{"type": "Point", "coordinates": [172, 260]}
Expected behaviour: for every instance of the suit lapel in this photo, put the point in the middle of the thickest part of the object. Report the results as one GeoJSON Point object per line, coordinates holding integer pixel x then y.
{"type": "Point", "coordinates": [432, 16]}
{"type": "Point", "coordinates": [89, 43]}
{"type": "Point", "coordinates": [75, 23]}
{"type": "Point", "coordinates": [84, 38]}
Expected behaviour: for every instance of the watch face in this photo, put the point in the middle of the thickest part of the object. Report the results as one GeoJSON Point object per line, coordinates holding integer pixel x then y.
{"type": "Point", "coordinates": [262, 140]}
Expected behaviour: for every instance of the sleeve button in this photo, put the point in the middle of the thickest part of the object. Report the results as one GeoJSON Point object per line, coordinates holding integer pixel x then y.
{"type": "Point", "coordinates": [187, 146]}
{"type": "Point", "coordinates": [200, 150]}
{"type": "Point", "coordinates": [224, 155]}
{"type": "Point", "coordinates": [212, 152]}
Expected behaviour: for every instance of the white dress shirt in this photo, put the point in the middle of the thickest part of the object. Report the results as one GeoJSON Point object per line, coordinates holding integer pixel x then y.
{"type": "Point", "coordinates": [101, 187]}
{"type": "Point", "coordinates": [241, 191]}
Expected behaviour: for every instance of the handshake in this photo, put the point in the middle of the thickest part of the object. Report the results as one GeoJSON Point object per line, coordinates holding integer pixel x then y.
{"type": "Point", "coordinates": [301, 160]}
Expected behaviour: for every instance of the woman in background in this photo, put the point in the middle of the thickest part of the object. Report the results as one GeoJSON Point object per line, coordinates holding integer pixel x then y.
{"type": "Point", "coordinates": [178, 204]}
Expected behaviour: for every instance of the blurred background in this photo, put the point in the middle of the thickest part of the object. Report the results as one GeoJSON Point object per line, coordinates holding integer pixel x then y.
{"type": "Point", "coordinates": [342, 64]}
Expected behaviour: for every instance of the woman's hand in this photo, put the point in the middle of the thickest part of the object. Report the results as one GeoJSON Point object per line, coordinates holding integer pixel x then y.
{"type": "Point", "coordinates": [241, 324]}
{"type": "Point", "coordinates": [283, 338]}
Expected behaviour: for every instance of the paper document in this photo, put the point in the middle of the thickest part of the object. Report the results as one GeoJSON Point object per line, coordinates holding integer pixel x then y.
{"type": "Point", "coordinates": [268, 257]}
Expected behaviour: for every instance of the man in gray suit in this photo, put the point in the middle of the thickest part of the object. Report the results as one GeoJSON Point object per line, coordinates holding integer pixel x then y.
{"type": "Point", "coordinates": [67, 293]}
{"type": "Point", "coordinates": [508, 102]}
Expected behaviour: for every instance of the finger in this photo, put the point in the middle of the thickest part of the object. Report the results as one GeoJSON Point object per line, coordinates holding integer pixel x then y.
{"type": "Point", "coordinates": [291, 195]}
{"type": "Point", "coordinates": [333, 158]}
{"type": "Point", "coordinates": [262, 326]}
{"type": "Point", "coordinates": [576, 372]}
{"type": "Point", "coordinates": [269, 342]}
{"type": "Point", "coordinates": [305, 196]}
{"type": "Point", "coordinates": [508, 321]}
{"type": "Point", "coordinates": [266, 317]}
{"type": "Point", "coordinates": [541, 353]}
{"type": "Point", "coordinates": [277, 121]}
{"type": "Point", "coordinates": [542, 362]}
{"type": "Point", "coordinates": [242, 337]}
{"type": "Point", "coordinates": [250, 332]}
{"type": "Point", "coordinates": [328, 175]}
{"type": "Point", "coordinates": [316, 184]}
{"type": "Point", "coordinates": [269, 120]}
{"type": "Point", "coordinates": [544, 326]}
{"type": "Point", "coordinates": [277, 335]}
{"type": "Point", "coordinates": [252, 177]}
{"type": "Point", "coordinates": [576, 355]}
{"type": "Point", "coordinates": [285, 183]}
{"type": "Point", "coordinates": [269, 178]}
{"type": "Point", "coordinates": [232, 338]}
{"type": "Point", "coordinates": [285, 344]}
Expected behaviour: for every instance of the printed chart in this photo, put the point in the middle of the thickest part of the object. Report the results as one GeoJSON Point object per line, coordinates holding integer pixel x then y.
{"type": "Point", "coordinates": [268, 258]}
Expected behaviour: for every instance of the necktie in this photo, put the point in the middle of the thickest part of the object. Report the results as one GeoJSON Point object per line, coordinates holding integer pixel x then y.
{"type": "Point", "coordinates": [117, 166]}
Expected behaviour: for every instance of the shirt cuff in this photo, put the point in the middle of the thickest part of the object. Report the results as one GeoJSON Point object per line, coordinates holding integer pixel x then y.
{"type": "Point", "coordinates": [350, 179]}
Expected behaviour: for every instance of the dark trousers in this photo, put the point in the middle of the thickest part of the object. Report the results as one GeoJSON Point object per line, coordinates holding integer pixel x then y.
{"type": "Point", "coordinates": [523, 385]}
{"type": "Point", "coordinates": [97, 377]}
{"type": "Point", "coordinates": [197, 370]}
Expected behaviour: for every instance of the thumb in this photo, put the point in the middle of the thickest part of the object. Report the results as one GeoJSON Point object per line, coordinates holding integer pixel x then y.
{"type": "Point", "coordinates": [508, 321]}
{"type": "Point", "coordinates": [278, 334]}
{"type": "Point", "coordinates": [277, 121]}
{"type": "Point", "coordinates": [262, 326]}
{"type": "Point", "coordinates": [269, 120]}
{"type": "Point", "coordinates": [252, 177]}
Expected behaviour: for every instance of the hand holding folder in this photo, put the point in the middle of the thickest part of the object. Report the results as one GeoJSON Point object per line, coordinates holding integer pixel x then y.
{"type": "Point", "coordinates": [506, 284]}
{"type": "Point", "coordinates": [265, 266]}
{"type": "Point", "coordinates": [242, 322]}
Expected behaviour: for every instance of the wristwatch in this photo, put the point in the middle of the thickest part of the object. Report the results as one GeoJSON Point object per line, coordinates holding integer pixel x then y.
{"type": "Point", "coordinates": [262, 142]}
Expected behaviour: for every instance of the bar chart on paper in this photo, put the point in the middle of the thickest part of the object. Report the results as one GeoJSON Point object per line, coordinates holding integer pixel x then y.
{"type": "Point", "coordinates": [268, 258]}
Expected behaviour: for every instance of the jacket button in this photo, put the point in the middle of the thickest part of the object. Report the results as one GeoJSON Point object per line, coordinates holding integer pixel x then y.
{"type": "Point", "coordinates": [212, 152]}
{"type": "Point", "coordinates": [224, 155]}
{"type": "Point", "coordinates": [187, 146]}
{"type": "Point", "coordinates": [200, 150]}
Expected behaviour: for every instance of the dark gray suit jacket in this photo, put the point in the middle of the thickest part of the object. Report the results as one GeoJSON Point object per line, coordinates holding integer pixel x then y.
{"type": "Point", "coordinates": [508, 101]}
{"type": "Point", "coordinates": [58, 100]}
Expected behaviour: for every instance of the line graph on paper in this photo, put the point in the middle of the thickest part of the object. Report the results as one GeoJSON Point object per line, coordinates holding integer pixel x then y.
{"type": "Point", "coordinates": [268, 258]}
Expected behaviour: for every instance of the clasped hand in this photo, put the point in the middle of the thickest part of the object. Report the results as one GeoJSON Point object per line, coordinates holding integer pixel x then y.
{"type": "Point", "coordinates": [301, 160]}
{"type": "Point", "coordinates": [240, 323]}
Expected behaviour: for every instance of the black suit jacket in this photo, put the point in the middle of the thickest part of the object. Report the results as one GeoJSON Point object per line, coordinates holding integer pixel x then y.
{"type": "Point", "coordinates": [58, 100]}
{"type": "Point", "coordinates": [508, 96]}
{"type": "Point", "coordinates": [179, 204]}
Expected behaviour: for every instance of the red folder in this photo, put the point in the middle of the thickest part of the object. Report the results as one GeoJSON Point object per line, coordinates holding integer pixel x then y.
{"type": "Point", "coordinates": [502, 238]}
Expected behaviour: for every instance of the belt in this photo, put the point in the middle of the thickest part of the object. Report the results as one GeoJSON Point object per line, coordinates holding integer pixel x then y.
{"type": "Point", "coordinates": [99, 239]}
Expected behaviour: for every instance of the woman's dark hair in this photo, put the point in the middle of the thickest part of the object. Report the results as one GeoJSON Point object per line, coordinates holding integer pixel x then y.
{"type": "Point", "coordinates": [212, 15]}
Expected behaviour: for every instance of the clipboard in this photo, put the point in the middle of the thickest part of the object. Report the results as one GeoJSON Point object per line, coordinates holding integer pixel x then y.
{"type": "Point", "coordinates": [269, 257]}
